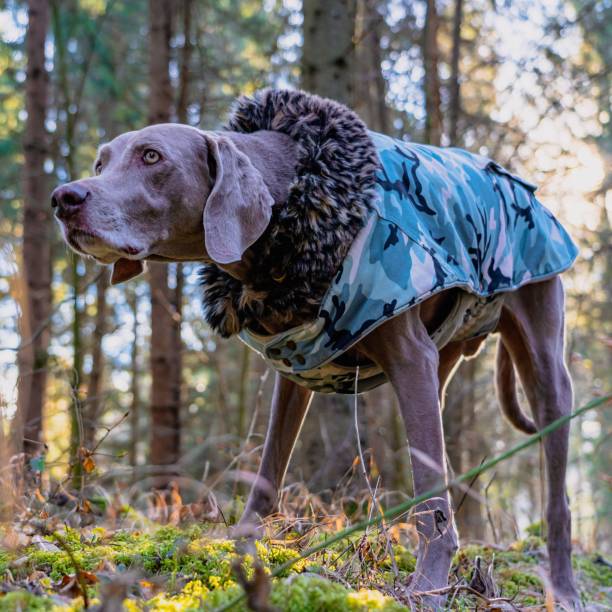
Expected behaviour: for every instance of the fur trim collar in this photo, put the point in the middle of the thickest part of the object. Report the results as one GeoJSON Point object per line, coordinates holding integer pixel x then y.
{"type": "Point", "coordinates": [308, 236]}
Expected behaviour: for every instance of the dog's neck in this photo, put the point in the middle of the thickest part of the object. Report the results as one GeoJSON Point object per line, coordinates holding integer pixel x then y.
{"type": "Point", "coordinates": [319, 163]}
{"type": "Point", "coordinates": [274, 155]}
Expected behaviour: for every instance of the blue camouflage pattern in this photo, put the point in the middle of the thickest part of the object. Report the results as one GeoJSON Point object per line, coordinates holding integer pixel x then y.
{"type": "Point", "coordinates": [441, 218]}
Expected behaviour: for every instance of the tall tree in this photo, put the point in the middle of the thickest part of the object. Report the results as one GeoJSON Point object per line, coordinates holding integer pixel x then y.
{"type": "Point", "coordinates": [370, 84]}
{"type": "Point", "coordinates": [431, 53]}
{"type": "Point", "coordinates": [385, 431]}
{"type": "Point", "coordinates": [327, 443]}
{"type": "Point", "coordinates": [135, 401]}
{"type": "Point", "coordinates": [70, 104]}
{"type": "Point", "coordinates": [455, 81]}
{"type": "Point", "coordinates": [328, 54]}
{"type": "Point", "coordinates": [32, 357]}
{"type": "Point", "coordinates": [165, 397]}
{"type": "Point", "coordinates": [463, 444]}
{"type": "Point", "coordinates": [176, 296]}
{"type": "Point", "coordinates": [93, 403]}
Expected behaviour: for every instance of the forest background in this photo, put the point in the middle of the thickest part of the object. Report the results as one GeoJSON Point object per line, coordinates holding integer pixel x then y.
{"type": "Point", "coordinates": [117, 391]}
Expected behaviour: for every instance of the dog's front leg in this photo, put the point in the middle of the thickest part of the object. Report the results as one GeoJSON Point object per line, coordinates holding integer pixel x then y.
{"type": "Point", "coordinates": [290, 403]}
{"type": "Point", "coordinates": [405, 352]}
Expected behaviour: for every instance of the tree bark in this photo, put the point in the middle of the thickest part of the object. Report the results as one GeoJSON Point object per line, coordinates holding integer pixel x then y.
{"type": "Point", "coordinates": [134, 381]}
{"type": "Point", "coordinates": [327, 445]}
{"type": "Point", "coordinates": [370, 84]}
{"type": "Point", "coordinates": [433, 116]}
{"type": "Point", "coordinates": [455, 83]}
{"type": "Point", "coordinates": [328, 53]}
{"type": "Point", "coordinates": [385, 431]}
{"type": "Point", "coordinates": [165, 401]}
{"type": "Point", "coordinates": [32, 357]}
{"type": "Point", "coordinates": [463, 448]}
{"type": "Point", "coordinates": [182, 102]}
{"type": "Point", "coordinates": [76, 373]}
{"type": "Point", "coordinates": [94, 387]}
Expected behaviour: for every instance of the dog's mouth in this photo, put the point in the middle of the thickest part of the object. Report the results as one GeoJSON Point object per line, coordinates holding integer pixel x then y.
{"type": "Point", "coordinates": [80, 239]}
{"type": "Point", "coordinates": [90, 243]}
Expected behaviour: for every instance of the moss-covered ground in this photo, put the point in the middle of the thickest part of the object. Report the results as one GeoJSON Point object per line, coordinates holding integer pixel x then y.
{"type": "Point", "coordinates": [168, 568]}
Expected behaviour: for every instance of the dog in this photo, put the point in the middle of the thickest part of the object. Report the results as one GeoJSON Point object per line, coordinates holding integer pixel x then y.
{"type": "Point", "coordinates": [332, 250]}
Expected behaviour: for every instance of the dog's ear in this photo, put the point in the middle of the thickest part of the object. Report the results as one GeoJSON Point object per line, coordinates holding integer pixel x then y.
{"type": "Point", "coordinates": [238, 208]}
{"type": "Point", "coordinates": [125, 269]}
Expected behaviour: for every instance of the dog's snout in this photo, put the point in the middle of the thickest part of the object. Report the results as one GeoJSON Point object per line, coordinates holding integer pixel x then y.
{"type": "Point", "coordinates": [68, 198]}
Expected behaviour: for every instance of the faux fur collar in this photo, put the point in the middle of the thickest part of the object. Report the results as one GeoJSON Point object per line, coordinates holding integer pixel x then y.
{"type": "Point", "coordinates": [308, 236]}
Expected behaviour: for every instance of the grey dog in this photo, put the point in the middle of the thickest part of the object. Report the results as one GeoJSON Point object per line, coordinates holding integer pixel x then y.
{"type": "Point", "coordinates": [271, 206]}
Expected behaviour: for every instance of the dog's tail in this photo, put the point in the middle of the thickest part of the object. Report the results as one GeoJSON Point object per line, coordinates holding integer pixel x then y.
{"type": "Point", "coordinates": [506, 392]}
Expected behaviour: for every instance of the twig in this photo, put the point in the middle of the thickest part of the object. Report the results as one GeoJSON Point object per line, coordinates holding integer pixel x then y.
{"type": "Point", "coordinates": [469, 488]}
{"type": "Point", "coordinates": [455, 588]}
{"type": "Point", "coordinates": [109, 430]}
{"type": "Point", "coordinates": [487, 506]}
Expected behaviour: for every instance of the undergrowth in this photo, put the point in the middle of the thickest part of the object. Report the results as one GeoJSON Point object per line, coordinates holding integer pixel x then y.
{"type": "Point", "coordinates": [194, 568]}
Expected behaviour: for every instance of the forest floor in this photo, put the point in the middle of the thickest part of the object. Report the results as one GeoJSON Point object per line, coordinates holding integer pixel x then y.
{"type": "Point", "coordinates": [135, 564]}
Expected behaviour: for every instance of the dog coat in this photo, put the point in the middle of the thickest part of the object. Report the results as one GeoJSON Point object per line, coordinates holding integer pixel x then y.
{"type": "Point", "coordinates": [440, 218]}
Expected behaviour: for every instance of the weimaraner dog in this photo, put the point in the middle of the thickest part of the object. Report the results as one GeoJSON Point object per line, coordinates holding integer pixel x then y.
{"type": "Point", "coordinates": [175, 193]}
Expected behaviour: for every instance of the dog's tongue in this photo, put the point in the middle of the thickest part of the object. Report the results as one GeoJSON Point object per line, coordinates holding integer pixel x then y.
{"type": "Point", "coordinates": [124, 269]}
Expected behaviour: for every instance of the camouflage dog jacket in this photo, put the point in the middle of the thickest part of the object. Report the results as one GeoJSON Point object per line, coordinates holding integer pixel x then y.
{"type": "Point", "coordinates": [441, 218]}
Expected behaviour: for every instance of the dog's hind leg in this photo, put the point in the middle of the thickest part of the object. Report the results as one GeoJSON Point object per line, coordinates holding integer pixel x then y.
{"type": "Point", "coordinates": [532, 329]}
{"type": "Point", "coordinates": [289, 406]}
{"type": "Point", "coordinates": [409, 358]}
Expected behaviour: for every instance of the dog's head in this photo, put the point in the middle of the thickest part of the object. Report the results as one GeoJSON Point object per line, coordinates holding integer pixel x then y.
{"type": "Point", "coordinates": [167, 192]}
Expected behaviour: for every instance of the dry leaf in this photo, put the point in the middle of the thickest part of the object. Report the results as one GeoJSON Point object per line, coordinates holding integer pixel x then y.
{"type": "Point", "coordinates": [89, 465]}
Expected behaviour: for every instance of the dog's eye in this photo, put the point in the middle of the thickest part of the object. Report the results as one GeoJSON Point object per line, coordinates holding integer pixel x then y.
{"type": "Point", "coordinates": [98, 168]}
{"type": "Point", "coordinates": [151, 157]}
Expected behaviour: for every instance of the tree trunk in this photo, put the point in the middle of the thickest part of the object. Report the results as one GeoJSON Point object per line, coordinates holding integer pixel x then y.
{"type": "Point", "coordinates": [433, 117]}
{"type": "Point", "coordinates": [465, 448]}
{"type": "Point", "coordinates": [455, 83]}
{"type": "Point", "coordinates": [370, 84]}
{"type": "Point", "coordinates": [76, 373]}
{"type": "Point", "coordinates": [328, 54]}
{"type": "Point", "coordinates": [134, 381]}
{"type": "Point", "coordinates": [327, 445]}
{"type": "Point", "coordinates": [385, 430]}
{"type": "Point", "coordinates": [459, 415]}
{"type": "Point", "coordinates": [94, 386]}
{"type": "Point", "coordinates": [165, 403]}
{"type": "Point", "coordinates": [32, 357]}
{"type": "Point", "coordinates": [182, 102]}
{"type": "Point", "coordinates": [177, 294]}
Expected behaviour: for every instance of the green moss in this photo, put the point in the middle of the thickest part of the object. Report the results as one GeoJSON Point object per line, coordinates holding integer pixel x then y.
{"type": "Point", "coordinates": [4, 561]}
{"type": "Point", "coordinates": [305, 593]}
{"type": "Point", "coordinates": [595, 568]}
{"type": "Point", "coordinates": [514, 582]}
{"type": "Point", "coordinates": [18, 601]}
{"type": "Point", "coordinates": [57, 564]}
{"type": "Point", "coordinates": [404, 559]}
{"type": "Point", "coordinates": [196, 570]}
{"type": "Point", "coordinates": [535, 529]}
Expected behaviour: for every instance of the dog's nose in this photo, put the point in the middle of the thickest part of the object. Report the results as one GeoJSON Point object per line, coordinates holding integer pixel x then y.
{"type": "Point", "coordinates": [68, 198]}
